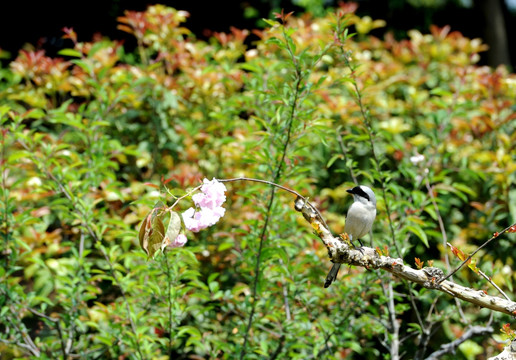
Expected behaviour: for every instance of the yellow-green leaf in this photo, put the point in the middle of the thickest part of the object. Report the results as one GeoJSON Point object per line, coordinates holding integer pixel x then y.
{"type": "Point", "coordinates": [70, 52]}
{"type": "Point", "coordinates": [173, 228]}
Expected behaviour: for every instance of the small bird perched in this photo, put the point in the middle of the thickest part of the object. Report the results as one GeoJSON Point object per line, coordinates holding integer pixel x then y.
{"type": "Point", "coordinates": [359, 221]}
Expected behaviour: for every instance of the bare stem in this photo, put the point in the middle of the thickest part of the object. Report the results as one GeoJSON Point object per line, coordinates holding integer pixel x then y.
{"type": "Point", "coordinates": [368, 126]}
{"type": "Point", "coordinates": [495, 236]}
{"type": "Point", "coordinates": [169, 295]}
{"type": "Point", "coordinates": [277, 175]}
{"type": "Point", "coordinates": [3, 162]}
{"type": "Point", "coordinates": [493, 283]}
{"type": "Point", "coordinates": [394, 326]}
{"type": "Point", "coordinates": [345, 154]}
{"type": "Point", "coordinates": [445, 239]}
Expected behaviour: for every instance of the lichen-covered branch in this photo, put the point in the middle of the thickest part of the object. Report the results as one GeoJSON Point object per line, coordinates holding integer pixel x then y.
{"type": "Point", "coordinates": [430, 277]}
{"type": "Point", "coordinates": [508, 353]}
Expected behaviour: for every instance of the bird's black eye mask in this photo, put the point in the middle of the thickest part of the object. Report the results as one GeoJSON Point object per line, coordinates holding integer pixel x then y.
{"type": "Point", "coordinates": [357, 190]}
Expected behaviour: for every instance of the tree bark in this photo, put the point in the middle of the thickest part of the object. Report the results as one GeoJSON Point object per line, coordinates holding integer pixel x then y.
{"type": "Point", "coordinates": [495, 33]}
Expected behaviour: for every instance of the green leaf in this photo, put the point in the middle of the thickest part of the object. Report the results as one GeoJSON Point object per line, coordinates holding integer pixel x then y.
{"type": "Point", "coordinates": [212, 277]}
{"type": "Point", "coordinates": [333, 159]}
{"type": "Point", "coordinates": [440, 92]}
{"type": "Point", "coordinates": [70, 52]}
{"type": "Point", "coordinates": [225, 245]}
{"type": "Point", "coordinates": [4, 109]}
{"type": "Point", "coordinates": [35, 114]}
{"type": "Point", "coordinates": [271, 22]}
{"type": "Point", "coordinates": [250, 67]}
{"type": "Point", "coordinates": [20, 154]}
{"type": "Point", "coordinates": [190, 330]}
{"type": "Point", "coordinates": [465, 189]}
{"type": "Point", "coordinates": [213, 286]}
{"type": "Point", "coordinates": [276, 41]}
{"type": "Point", "coordinates": [268, 253]}
{"type": "Point", "coordinates": [416, 230]}
{"type": "Point", "coordinates": [83, 65]}
{"type": "Point", "coordinates": [431, 211]}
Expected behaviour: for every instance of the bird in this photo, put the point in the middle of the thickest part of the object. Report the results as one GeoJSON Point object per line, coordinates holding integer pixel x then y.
{"type": "Point", "coordinates": [359, 221]}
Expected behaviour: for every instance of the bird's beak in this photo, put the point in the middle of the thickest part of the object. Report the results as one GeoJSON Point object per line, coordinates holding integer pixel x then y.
{"type": "Point", "coordinates": [350, 191]}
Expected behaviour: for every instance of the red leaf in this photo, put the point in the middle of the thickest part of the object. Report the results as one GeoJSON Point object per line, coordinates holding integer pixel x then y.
{"type": "Point", "coordinates": [70, 34]}
{"type": "Point", "coordinates": [282, 15]}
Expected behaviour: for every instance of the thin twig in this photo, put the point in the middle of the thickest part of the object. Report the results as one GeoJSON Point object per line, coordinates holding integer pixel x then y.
{"type": "Point", "coordinates": [395, 326]}
{"type": "Point", "coordinates": [345, 154]}
{"type": "Point", "coordinates": [445, 240]}
{"type": "Point", "coordinates": [369, 129]}
{"type": "Point", "coordinates": [5, 192]}
{"type": "Point", "coordinates": [494, 237]}
{"type": "Point", "coordinates": [378, 169]}
{"type": "Point", "coordinates": [272, 195]}
{"type": "Point", "coordinates": [285, 295]}
{"type": "Point", "coordinates": [439, 219]}
{"type": "Point", "coordinates": [34, 350]}
{"type": "Point", "coordinates": [316, 320]}
{"type": "Point", "coordinates": [493, 283]}
{"type": "Point", "coordinates": [169, 296]}
{"type": "Point", "coordinates": [279, 348]}
{"type": "Point", "coordinates": [257, 271]}
{"type": "Point", "coordinates": [29, 343]}
{"type": "Point", "coordinates": [394, 347]}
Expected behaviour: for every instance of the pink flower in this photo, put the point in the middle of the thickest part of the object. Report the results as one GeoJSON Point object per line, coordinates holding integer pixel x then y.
{"type": "Point", "coordinates": [212, 194]}
{"type": "Point", "coordinates": [209, 202]}
{"type": "Point", "coordinates": [211, 216]}
{"type": "Point", "coordinates": [198, 220]}
{"type": "Point", "coordinates": [179, 241]}
{"type": "Point", "coordinates": [192, 220]}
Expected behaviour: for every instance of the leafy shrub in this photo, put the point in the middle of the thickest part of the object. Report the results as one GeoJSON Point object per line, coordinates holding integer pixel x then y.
{"type": "Point", "coordinates": [94, 138]}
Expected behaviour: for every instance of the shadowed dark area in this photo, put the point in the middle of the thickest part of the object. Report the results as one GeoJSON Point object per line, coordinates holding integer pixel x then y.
{"type": "Point", "coordinates": [40, 23]}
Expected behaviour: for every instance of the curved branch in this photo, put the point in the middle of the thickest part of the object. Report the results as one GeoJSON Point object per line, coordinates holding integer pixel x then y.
{"type": "Point", "coordinates": [429, 277]}
{"type": "Point", "coordinates": [451, 347]}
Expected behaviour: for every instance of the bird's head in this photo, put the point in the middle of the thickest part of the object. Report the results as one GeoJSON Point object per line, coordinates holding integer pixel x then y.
{"type": "Point", "coordinates": [363, 194]}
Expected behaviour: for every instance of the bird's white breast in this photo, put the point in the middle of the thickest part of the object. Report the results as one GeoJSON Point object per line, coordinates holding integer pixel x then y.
{"type": "Point", "coordinates": [359, 220]}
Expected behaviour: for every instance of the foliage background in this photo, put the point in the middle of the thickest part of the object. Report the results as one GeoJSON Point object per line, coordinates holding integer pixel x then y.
{"type": "Point", "coordinates": [491, 20]}
{"type": "Point", "coordinates": [93, 137]}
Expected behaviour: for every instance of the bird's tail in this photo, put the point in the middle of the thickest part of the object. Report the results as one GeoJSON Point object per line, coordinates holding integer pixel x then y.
{"type": "Point", "coordinates": [332, 275]}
